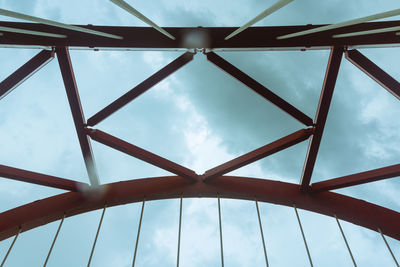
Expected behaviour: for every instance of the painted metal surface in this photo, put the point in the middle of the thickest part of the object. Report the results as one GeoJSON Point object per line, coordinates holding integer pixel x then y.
{"type": "Point", "coordinates": [141, 154]}
{"type": "Point", "coordinates": [346, 208]}
{"type": "Point", "coordinates": [316, 198]}
{"type": "Point", "coordinates": [259, 88]}
{"type": "Point", "coordinates": [253, 37]}
{"type": "Point", "coordinates": [373, 71]}
{"type": "Point", "coordinates": [71, 88]}
{"type": "Point", "coordinates": [357, 179]}
{"type": "Point", "coordinates": [25, 71]}
{"type": "Point", "coordinates": [40, 179]}
{"type": "Point", "coordinates": [258, 154]}
{"type": "Point", "coordinates": [335, 58]}
{"type": "Point", "coordinates": [141, 88]}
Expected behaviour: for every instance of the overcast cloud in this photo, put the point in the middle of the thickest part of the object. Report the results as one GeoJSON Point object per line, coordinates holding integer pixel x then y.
{"type": "Point", "coordinates": [199, 117]}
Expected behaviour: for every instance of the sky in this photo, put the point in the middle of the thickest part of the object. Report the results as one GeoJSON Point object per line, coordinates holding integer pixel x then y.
{"type": "Point", "coordinates": [199, 117]}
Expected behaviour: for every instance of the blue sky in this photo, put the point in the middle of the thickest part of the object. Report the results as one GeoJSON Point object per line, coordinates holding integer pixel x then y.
{"type": "Point", "coordinates": [199, 117]}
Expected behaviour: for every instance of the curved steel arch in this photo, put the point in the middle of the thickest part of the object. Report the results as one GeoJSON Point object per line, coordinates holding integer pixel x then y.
{"type": "Point", "coordinates": [350, 209]}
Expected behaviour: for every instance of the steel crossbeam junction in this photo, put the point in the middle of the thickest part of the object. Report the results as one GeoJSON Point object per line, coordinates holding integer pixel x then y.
{"type": "Point", "coordinates": [315, 197]}
{"type": "Point", "coordinates": [253, 38]}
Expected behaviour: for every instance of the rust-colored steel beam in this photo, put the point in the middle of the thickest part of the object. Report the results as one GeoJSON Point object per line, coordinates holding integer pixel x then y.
{"type": "Point", "coordinates": [141, 88]}
{"type": "Point", "coordinates": [357, 179]}
{"type": "Point", "coordinates": [259, 153]}
{"type": "Point", "coordinates": [259, 88]}
{"type": "Point", "coordinates": [141, 154]}
{"type": "Point", "coordinates": [71, 88]}
{"type": "Point", "coordinates": [25, 71]}
{"type": "Point", "coordinates": [328, 87]}
{"type": "Point", "coordinates": [373, 71]}
{"type": "Point", "coordinates": [40, 179]}
{"type": "Point", "coordinates": [254, 37]}
{"type": "Point", "coordinates": [346, 208]}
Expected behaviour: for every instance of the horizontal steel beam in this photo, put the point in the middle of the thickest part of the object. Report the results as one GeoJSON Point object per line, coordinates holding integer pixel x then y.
{"type": "Point", "coordinates": [71, 88]}
{"type": "Point", "coordinates": [258, 154]}
{"type": "Point", "coordinates": [25, 71]}
{"type": "Point", "coordinates": [259, 88]}
{"type": "Point", "coordinates": [373, 71]}
{"type": "Point", "coordinates": [357, 179]}
{"type": "Point", "coordinates": [40, 179]}
{"type": "Point", "coordinates": [141, 88]}
{"type": "Point", "coordinates": [141, 154]}
{"type": "Point", "coordinates": [328, 87]}
{"type": "Point", "coordinates": [346, 208]}
{"type": "Point", "coordinates": [254, 37]}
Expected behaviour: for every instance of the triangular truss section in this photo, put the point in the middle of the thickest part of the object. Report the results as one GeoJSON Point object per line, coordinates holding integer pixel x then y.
{"type": "Point", "coordinates": [6, 86]}
{"type": "Point", "coordinates": [257, 38]}
{"type": "Point", "coordinates": [259, 153]}
{"type": "Point", "coordinates": [83, 132]}
{"type": "Point", "coordinates": [140, 153]}
{"type": "Point", "coordinates": [328, 87]}
{"type": "Point", "coordinates": [140, 88]}
{"type": "Point", "coordinates": [259, 88]}
{"type": "Point", "coordinates": [392, 86]}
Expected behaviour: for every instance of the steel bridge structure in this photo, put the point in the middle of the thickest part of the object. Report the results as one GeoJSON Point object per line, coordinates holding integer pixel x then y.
{"type": "Point", "coordinates": [316, 197]}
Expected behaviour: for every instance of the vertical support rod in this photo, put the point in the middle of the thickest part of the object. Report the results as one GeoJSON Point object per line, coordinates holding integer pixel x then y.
{"type": "Point", "coordinates": [390, 250]}
{"type": "Point", "coordinates": [54, 241]}
{"type": "Point", "coordinates": [138, 233]}
{"type": "Point", "coordinates": [331, 74]}
{"type": "Point", "coordinates": [10, 248]}
{"type": "Point", "coordinates": [304, 237]}
{"type": "Point", "coordinates": [262, 234]}
{"type": "Point", "coordinates": [179, 232]}
{"type": "Point", "coordinates": [345, 241]}
{"type": "Point", "coordinates": [220, 232]}
{"type": "Point", "coordinates": [97, 235]}
{"type": "Point", "coordinates": [71, 88]}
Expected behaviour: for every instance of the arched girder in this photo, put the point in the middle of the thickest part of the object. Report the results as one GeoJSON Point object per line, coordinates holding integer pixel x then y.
{"type": "Point", "coordinates": [346, 208]}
